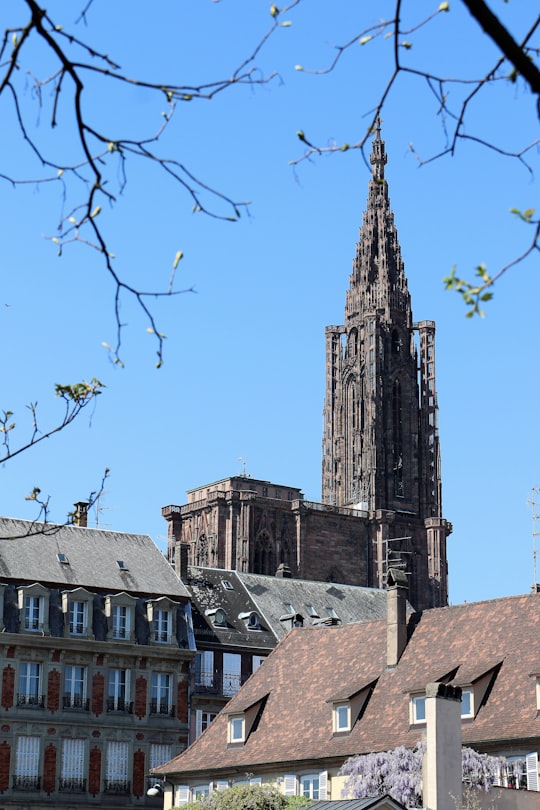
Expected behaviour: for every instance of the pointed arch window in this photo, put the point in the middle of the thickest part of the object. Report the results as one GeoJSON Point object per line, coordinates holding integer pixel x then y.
{"type": "Point", "coordinates": [397, 449]}
{"type": "Point", "coordinates": [264, 554]}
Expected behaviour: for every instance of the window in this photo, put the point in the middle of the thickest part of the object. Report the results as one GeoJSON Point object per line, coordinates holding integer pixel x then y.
{"type": "Point", "coordinates": [309, 786]}
{"type": "Point", "coordinates": [162, 626]}
{"type": "Point", "coordinates": [236, 729]}
{"type": "Point", "coordinates": [33, 613]}
{"type": "Point", "coordinates": [202, 721]}
{"type": "Point", "coordinates": [288, 607]}
{"type": "Point", "coordinates": [331, 612]}
{"type": "Point", "coordinates": [30, 685]}
{"type": "Point", "coordinates": [256, 661]}
{"type": "Point", "coordinates": [159, 754]}
{"type": "Point", "coordinates": [418, 706]}
{"type": "Point", "coordinates": [231, 673]}
{"type": "Point", "coordinates": [75, 688]}
{"type": "Point", "coordinates": [118, 691]}
{"type": "Point", "coordinates": [116, 768]}
{"type": "Point", "coordinates": [26, 775]}
{"type": "Point", "coordinates": [78, 618]}
{"type": "Point", "coordinates": [120, 621]}
{"type": "Point", "coordinates": [313, 612]}
{"type": "Point", "coordinates": [342, 717]}
{"type": "Point", "coordinates": [200, 791]}
{"type": "Point", "coordinates": [204, 668]}
{"type": "Point", "coordinates": [160, 700]}
{"type": "Point", "coordinates": [72, 767]}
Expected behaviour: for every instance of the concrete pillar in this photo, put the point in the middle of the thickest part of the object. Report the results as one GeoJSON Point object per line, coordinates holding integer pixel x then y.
{"type": "Point", "coordinates": [442, 769]}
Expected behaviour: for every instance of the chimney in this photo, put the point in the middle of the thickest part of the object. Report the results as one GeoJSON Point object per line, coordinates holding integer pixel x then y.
{"type": "Point", "coordinates": [396, 615]}
{"type": "Point", "coordinates": [442, 769]}
{"type": "Point", "coordinates": [283, 571]}
{"type": "Point", "coordinates": [80, 516]}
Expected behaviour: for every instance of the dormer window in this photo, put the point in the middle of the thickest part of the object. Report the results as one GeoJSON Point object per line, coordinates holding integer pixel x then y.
{"type": "Point", "coordinates": [236, 728]}
{"type": "Point", "coordinates": [119, 609]}
{"type": "Point", "coordinates": [418, 706]}
{"type": "Point", "coordinates": [218, 616]}
{"type": "Point", "coordinates": [161, 615]}
{"type": "Point", "coordinates": [252, 620]}
{"type": "Point", "coordinates": [77, 610]}
{"type": "Point", "coordinates": [33, 601]}
{"type": "Point", "coordinates": [342, 717]}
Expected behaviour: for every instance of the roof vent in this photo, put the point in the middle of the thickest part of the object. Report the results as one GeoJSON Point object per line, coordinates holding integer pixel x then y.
{"type": "Point", "coordinates": [227, 585]}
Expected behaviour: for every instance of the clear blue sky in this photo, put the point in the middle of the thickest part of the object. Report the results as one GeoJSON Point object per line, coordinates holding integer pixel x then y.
{"type": "Point", "coordinates": [244, 363]}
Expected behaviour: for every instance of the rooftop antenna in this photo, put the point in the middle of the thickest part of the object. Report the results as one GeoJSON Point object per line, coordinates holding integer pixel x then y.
{"type": "Point", "coordinates": [244, 463]}
{"type": "Point", "coordinates": [535, 532]}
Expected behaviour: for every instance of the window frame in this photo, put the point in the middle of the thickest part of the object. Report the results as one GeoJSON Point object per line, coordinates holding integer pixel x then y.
{"type": "Point", "coordinates": [30, 684]}
{"type": "Point", "coordinates": [116, 701]}
{"type": "Point", "coordinates": [339, 708]}
{"type": "Point", "coordinates": [236, 729]}
{"type": "Point", "coordinates": [161, 690]}
{"type": "Point", "coordinates": [40, 594]}
{"type": "Point", "coordinates": [76, 696]}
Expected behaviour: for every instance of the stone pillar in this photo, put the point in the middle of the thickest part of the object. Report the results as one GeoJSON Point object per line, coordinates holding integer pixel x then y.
{"type": "Point", "coordinates": [442, 769]}
{"type": "Point", "coordinates": [396, 616]}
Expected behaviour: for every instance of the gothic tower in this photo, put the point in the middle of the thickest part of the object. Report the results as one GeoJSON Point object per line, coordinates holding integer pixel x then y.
{"type": "Point", "coordinates": [380, 439]}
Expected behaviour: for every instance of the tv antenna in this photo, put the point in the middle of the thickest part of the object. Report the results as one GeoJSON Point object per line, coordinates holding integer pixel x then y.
{"type": "Point", "coordinates": [244, 463]}
{"type": "Point", "coordinates": [535, 532]}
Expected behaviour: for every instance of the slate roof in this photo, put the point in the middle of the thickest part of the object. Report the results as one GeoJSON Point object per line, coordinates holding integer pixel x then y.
{"type": "Point", "coordinates": [369, 803]}
{"type": "Point", "coordinates": [313, 666]}
{"type": "Point", "coordinates": [268, 597]}
{"type": "Point", "coordinates": [28, 553]}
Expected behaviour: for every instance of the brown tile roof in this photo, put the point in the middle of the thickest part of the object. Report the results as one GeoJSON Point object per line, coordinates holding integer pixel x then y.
{"type": "Point", "coordinates": [312, 665]}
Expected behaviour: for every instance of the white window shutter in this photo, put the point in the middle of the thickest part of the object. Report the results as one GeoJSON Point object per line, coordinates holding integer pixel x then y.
{"type": "Point", "coordinates": [323, 784]}
{"type": "Point", "coordinates": [532, 771]}
{"type": "Point", "coordinates": [182, 794]}
{"type": "Point", "coordinates": [222, 785]}
{"type": "Point", "coordinates": [198, 723]}
{"type": "Point", "coordinates": [289, 785]}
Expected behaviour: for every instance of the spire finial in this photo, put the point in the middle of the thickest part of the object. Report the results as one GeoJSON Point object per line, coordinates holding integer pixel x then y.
{"type": "Point", "coordinates": [378, 155]}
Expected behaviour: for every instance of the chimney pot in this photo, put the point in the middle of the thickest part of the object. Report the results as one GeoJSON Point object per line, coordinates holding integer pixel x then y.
{"type": "Point", "coordinates": [80, 517]}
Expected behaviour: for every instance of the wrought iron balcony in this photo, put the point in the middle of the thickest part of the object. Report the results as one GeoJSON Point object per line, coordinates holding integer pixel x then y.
{"type": "Point", "coordinates": [162, 707]}
{"type": "Point", "coordinates": [32, 701]}
{"type": "Point", "coordinates": [72, 785]}
{"type": "Point", "coordinates": [217, 683]}
{"type": "Point", "coordinates": [26, 782]}
{"type": "Point", "coordinates": [117, 786]}
{"type": "Point", "coordinates": [76, 702]}
{"type": "Point", "coordinates": [119, 705]}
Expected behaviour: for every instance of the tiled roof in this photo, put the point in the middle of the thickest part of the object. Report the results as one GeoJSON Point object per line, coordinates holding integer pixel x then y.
{"type": "Point", "coordinates": [313, 664]}
{"type": "Point", "coordinates": [268, 597]}
{"type": "Point", "coordinates": [28, 554]}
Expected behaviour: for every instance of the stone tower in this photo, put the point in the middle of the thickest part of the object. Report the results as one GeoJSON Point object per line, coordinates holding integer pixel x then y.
{"type": "Point", "coordinates": [380, 441]}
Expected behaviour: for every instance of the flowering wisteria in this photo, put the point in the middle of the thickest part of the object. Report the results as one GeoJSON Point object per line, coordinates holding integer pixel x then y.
{"type": "Point", "coordinates": [399, 773]}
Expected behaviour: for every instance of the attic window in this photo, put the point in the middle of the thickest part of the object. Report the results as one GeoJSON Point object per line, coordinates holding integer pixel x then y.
{"type": "Point", "coordinates": [236, 729]}
{"type": "Point", "coordinates": [342, 717]}
{"type": "Point", "coordinates": [312, 612]}
{"type": "Point", "coordinates": [122, 565]}
{"type": "Point", "coordinates": [252, 620]}
{"type": "Point", "coordinates": [227, 585]}
{"type": "Point", "coordinates": [288, 607]}
{"type": "Point", "coordinates": [418, 706]}
{"type": "Point", "coordinates": [62, 558]}
{"type": "Point", "coordinates": [332, 613]}
{"type": "Point", "coordinates": [218, 616]}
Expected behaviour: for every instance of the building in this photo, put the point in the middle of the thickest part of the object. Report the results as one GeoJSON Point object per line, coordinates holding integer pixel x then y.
{"type": "Point", "coordinates": [381, 481]}
{"type": "Point", "coordinates": [239, 618]}
{"type": "Point", "coordinates": [326, 693]}
{"type": "Point", "coordinates": [95, 650]}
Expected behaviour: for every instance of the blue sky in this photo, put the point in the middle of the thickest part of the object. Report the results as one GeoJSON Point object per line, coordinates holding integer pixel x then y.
{"type": "Point", "coordinates": [244, 357]}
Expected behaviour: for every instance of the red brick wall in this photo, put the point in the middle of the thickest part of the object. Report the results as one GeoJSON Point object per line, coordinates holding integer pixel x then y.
{"type": "Point", "coordinates": [49, 769]}
{"type": "Point", "coordinates": [182, 700]}
{"type": "Point", "coordinates": [5, 756]}
{"type": "Point", "coordinates": [140, 696]}
{"type": "Point", "coordinates": [53, 691]}
{"type": "Point", "coordinates": [8, 687]}
{"type": "Point", "coordinates": [98, 693]}
{"type": "Point", "coordinates": [138, 773]}
{"type": "Point", "coordinates": [94, 771]}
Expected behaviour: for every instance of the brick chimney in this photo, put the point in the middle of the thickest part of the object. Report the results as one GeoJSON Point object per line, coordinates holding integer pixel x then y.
{"type": "Point", "coordinates": [396, 615]}
{"type": "Point", "coordinates": [80, 516]}
{"type": "Point", "coordinates": [442, 769]}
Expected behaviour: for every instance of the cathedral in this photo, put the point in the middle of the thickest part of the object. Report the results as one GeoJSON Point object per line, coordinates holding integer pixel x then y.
{"type": "Point", "coordinates": [381, 483]}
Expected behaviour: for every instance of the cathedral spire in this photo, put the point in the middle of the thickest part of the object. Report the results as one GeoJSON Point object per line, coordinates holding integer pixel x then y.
{"type": "Point", "coordinates": [380, 443]}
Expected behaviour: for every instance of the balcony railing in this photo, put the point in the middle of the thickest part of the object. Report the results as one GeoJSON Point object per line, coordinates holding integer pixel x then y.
{"type": "Point", "coordinates": [73, 785]}
{"type": "Point", "coordinates": [117, 786]}
{"type": "Point", "coordinates": [118, 705]}
{"type": "Point", "coordinates": [32, 701]}
{"type": "Point", "coordinates": [76, 702]}
{"type": "Point", "coordinates": [218, 683]}
{"type": "Point", "coordinates": [25, 782]}
{"type": "Point", "coordinates": [162, 707]}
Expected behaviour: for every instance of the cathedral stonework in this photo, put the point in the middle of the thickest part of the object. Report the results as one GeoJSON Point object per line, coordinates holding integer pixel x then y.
{"type": "Point", "coordinates": [381, 480]}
